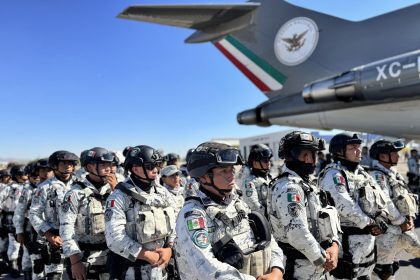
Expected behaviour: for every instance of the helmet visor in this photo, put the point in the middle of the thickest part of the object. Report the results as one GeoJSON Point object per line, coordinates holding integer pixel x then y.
{"type": "Point", "coordinates": [107, 157]}
{"type": "Point", "coordinates": [229, 156]}
{"type": "Point", "coordinates": [266, 154]}
{"type": "Point", "coordinates": [398, 144]}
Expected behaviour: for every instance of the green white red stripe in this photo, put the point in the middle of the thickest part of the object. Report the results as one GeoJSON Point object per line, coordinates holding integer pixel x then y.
{"type": "Point", "coordinates": [259, 71]}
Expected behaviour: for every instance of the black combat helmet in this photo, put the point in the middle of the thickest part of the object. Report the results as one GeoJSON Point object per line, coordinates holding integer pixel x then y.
{"type": "Point", "coordinates": [97, 155]}
{"type": "Point", "coordinates": [142, 155]}
{"type": "Point", "coordinates": [210, 155]}
{"type": "Point", "coordinates": [383, 146]}
{"type": "Point", "coordinates": [17, 170]}
{"type": "Point", "coordinates": [339, 142]}
{"type": "Point", "coordinates": [292, 143]}
{"type": "Point", "coordinates": [259, 152]}
{"type": "Point", "coordinates": [61, 156]}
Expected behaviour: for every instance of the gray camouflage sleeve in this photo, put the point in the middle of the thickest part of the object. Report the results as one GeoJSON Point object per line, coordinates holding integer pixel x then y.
{"type": "Point", "coordinates": [36, 212]}
{"type": "Point", "coordinates": [116, 236]}
{"type": "Point", "coordinates": [70, 209]}
{"type": "Point", "coordinates": [19, 216]}
{"type": "Point", "coordinates": [250, 195]}
{"type": "Point", "coordinates": [196, 250]}
{"type": "Point", "coordinates": [334, 183]}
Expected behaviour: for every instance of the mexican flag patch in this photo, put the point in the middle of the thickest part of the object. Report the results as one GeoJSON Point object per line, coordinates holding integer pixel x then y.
{"type": "Point", "coordinates": [339, 179]}
{"type": "Point", "coordinates": [293, 197]}
{"type": "Point", "coordinates": [380, 178]}
{"type": "Point", "coordinates": [197, 223]}
{"type": "Point", "coordinates": [110, 203]}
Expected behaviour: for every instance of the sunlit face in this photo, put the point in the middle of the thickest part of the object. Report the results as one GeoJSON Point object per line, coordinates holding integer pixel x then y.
{"type": "Point", "coordinates": [65, 167]}
{"type": "Point", "coordinates": [102, 169]}
{"type": "Point", "coordinates": [114, 168]}
{"type": "Point", "coordinates": [224, 177]}
{"type": "Point", "coordinates": [307, 156]}
{"type": "Point", "coordinates": [45, 173]}
{"type": "Point", "coordinates": [34, 179]}
{"type": "Point", "coordinates": [353, 153]}
{"type": "Point", "coordinates": [22, 178]}
{"type": "Point", "coordinates": [151, 173]}
{"type": "Point", "coordinates": [173, 181]}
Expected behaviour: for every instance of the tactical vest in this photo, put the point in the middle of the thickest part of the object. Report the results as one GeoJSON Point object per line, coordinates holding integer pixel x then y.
{"type": "Point", "coordinates": [148, 220]}
{"type": "Point", "coordinates": [324, 223]}
{"type": "Point", "coordinates": [94, 222]}
{"type": "Point", "coordinates": [362, 189]}
{"type": "Point", "coordinates": [256, 259]}
{"type": "Point", "coordinates": [406, 202]}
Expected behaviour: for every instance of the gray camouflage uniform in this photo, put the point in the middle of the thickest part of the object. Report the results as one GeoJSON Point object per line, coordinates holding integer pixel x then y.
{"type": "Point", "coordinates": [293, 210]}
{"type": "Point", "coordinates": [131, 225]}
{"type": "Point", "coordinates": [254, 192]}
{"type": "Point", "coordinates": [22, 224]}
{"type": "Point", "coordinates": [45, 213]}
{"type": "Point", "coordinates": [82, 225]}
{"type": "Point", "coordinates": [198, 230]}
{"type": "Point", "coordinates": [177, 196]}
{"type": "Point", "coordinates": [8, 201]}
{"type": "Point", "coordinates": [343, 186]}
{"type": "Point", "coordinates": [393, 242]}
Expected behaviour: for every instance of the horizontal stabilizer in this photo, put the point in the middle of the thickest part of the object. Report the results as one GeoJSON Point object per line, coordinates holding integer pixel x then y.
{"type": "Point", "coordinates": [211, 20]}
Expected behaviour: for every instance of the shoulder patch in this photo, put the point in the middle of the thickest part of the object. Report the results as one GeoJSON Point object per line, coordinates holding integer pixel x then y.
{"type": "Point", "coordinates": [340, 188]}
{"type": "Point", "coordinates": [110, 203]}
{"type": "Point", "coordinates": [201, 239]}
{"type": "Point", "coordinates": [108, 215]}
{"type": "Point", "coordinates": [293, 197]}
{"type": "Point", "coordinates": [294, 209]}
{"type": "Point", "coordinates": [249, 192]}
{"type": "Point", "coordinates": [339, 179]}
{"type": "Point", "coordinates": [196, 223]}
{"type": "Point", "coordinates": [380, 178]}
{"type": "Point", "coordinates": [193, 212]}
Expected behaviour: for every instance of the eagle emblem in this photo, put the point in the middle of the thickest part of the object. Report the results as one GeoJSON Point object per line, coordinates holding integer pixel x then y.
{"type": "Point", "coordinates": [296, 42]}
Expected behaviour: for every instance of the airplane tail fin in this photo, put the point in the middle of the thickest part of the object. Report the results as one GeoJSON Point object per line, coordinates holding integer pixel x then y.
{"type": "Point", "coordinates": [278, 46]}
{"type": "Point", "coordinates": [211, 21]}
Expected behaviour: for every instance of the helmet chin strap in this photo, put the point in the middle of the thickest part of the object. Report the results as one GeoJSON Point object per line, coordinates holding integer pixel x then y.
{"type": "Point", "coordinates": [222, 192]}
{"type": "Point", "coordinates": [389, 160]}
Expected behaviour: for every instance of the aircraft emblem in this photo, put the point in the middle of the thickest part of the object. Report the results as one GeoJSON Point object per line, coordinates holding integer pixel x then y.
{"type": "Point", "coordinates": [295, 42]}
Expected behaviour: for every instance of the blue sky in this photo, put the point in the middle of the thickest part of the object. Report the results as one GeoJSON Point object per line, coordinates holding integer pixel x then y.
{"type": "Point", "coordinates": [73, 76]}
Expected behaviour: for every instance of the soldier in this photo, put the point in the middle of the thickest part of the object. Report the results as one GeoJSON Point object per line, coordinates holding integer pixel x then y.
{"type": "Point", "coordinates": [115, 168]}
{"type": "Point", "coordinates": [172, 159]}
{"type": "Point", "coordinates": [25, 234]}
{"type": "Point", "coordinates": [366, 160]}
{"type": "Point", "coordinates": [171, 181]}
{"type": "Point", "coordinates": [255, 187]}
{"type": "Point", "coordinates": [218, 237]}
{"type": "Point", "coordinates": [397, 238]}
{"type": "Point", "coordinates": [413, 173]}
{"type": "Point", "coordinates": [140, 219]}
{"type": "Point", "coordinates": [45, 213]}
{"type": "Point", "coordinates": [305, 228]}
{"type": "Point", "coordinates": [8, 201]}
{"type": "Point", "coordinates": [82, 224]}
{"type": "Point", "coordinates": [31, 239]}
{"type": "Point", "coordinates": [350, 189]}
{"type": "Point", "coordinates": [6, 179]}
{"type": "Point", "coordinates": [81, 172]}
